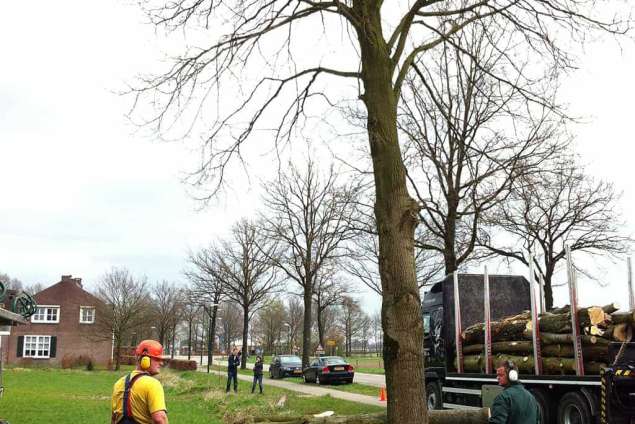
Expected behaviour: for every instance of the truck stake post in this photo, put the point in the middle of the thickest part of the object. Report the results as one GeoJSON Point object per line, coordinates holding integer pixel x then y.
{"type": "Point", "coordinates": [575, 322]}
{"type": "Point", "coordinates": [488, 323]}
{"type": "Point", "coordinates": [457, 325]}
{"type": "Point", "coordinates": [535, 333]}
{"type": "Point", "coordinates": [631, 295]}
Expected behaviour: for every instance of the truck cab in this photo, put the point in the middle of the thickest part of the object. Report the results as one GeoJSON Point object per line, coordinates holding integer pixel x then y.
{"type": "Point", "coordinates": [509, 296]}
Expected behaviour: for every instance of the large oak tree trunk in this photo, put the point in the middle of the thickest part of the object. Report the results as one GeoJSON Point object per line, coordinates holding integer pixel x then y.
{"type": "Point", "coordinates": [243, 359]}
{"type": "Point", "coordinates": [306, 329]}
{"type": "Point", "coordinates": [548, 291]}
{"type": "Point", "coordinates": [396, 216]}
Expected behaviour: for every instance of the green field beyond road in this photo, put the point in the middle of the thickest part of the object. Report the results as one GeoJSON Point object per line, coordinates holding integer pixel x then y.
{"type": "Point", "coordinates": [72, 396]}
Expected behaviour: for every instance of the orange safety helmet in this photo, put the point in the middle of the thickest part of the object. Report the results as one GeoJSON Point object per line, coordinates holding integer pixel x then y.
{"type": "Point", "coordinates": [150, 348]}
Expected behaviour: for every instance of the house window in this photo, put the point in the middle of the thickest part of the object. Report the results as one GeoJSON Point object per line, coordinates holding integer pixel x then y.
{"type": "Point", "coordinates": [87, 315]}
{"type": "Point", "coordinates": [37, 347]}
{"type": "Point", "coordinates": [47, 314]}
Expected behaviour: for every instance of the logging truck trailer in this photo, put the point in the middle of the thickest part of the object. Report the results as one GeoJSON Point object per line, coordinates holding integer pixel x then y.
{"type": "Point", "coordinates": [563, 399]}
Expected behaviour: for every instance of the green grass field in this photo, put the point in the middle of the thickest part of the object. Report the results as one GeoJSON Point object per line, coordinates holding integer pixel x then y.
{"type": "Point", "coordinates": [73, 396]}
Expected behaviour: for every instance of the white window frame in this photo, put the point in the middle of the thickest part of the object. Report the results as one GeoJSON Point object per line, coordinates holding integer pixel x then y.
{"type": "Point", "coordinates": [26, 343]}
{"type": "Point", "coordinates": [35, 320]}
{"type": "Point", "coordinates": [81, 309]}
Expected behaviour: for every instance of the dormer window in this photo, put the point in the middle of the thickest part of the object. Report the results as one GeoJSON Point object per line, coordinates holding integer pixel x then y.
{"type": "Point", "coordinates": [87, 315]}
{"type": "Point", "coordinates": [46, 314]}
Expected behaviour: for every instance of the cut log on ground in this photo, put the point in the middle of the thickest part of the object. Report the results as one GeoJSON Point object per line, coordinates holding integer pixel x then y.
{"type": "Point", "coordinates": [480, 416]}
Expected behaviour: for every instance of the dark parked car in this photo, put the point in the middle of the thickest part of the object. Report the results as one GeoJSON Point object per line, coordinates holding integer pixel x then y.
{"type": "Point", "coordinates": [328, 369]}
{"type": "Point", "coordinates": [285, 366]}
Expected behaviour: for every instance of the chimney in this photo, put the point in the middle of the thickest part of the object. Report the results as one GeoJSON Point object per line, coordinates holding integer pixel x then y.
{"type": "Point", "coordinates": [69, 279]}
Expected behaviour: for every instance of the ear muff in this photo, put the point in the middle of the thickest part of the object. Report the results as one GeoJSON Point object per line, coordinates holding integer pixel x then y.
{"type": "Point", "coordinates": [512, 373]}
{"type": "Point", "coordinates": [144, 363]}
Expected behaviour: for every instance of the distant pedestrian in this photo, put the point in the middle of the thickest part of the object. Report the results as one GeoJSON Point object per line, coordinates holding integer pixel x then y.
{"type": "Point", "coordinates": [257, 374]}
{"type": "Point", "coordinates": [515, 404]}
{"type": "Point", "coordinates": [233, 362]}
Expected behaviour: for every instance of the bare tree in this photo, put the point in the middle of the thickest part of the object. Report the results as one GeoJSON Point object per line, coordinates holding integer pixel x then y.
{"type": "Point", "coordinates": [269, 325]}
{"type": "Point", "coordinates": [126, 301]}
{"type": "Point", "coordinates": [294, 320]}
{"type": "Point", "coordinates": [384, 41]}
{"type": "Point", "coordinates": [468, 136]}
{"type": "Point", "coordinates": [191, 311]}
{"type": "Point", "coordinates": [561, 206]}
{"type": "Point", "coordinates": [230, 323]}
{"type": "Point", "coordinates": [11, 283]}
{"type": "Point", "coordinates": [308, 214]}
{"type": "Point", "coordinates": [377, 332]}
{"type": "Point", "coordinates": [167, 301]}
{"type": "Point", "coordinates": [207, 288]}
{"type": "Point", "coordinates": [246, 270]}
{"type": "Point", "coordinates": [353, 321]}
{"type": "Point", "coordinates": [329, 292]}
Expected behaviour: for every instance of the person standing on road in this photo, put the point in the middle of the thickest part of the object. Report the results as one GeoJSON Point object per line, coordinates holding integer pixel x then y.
{"type": "Point", "coordinates": [233, 362]}
{"type": "Point", "coordinates": [257, 374]}
{"type": "Point", "coordinates": [515, 404]}
{"type": "Point", "coordinates": [138, 397]}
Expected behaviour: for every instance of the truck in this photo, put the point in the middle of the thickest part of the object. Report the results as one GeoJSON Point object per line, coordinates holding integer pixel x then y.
{"type": "Point", "coordinates": [608, 397]}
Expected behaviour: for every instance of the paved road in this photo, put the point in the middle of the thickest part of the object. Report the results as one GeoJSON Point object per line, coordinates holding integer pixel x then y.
{"type": "Point", "coordinates": [377, 380]}
{"type": "Point", "coordinates": [310, 389]}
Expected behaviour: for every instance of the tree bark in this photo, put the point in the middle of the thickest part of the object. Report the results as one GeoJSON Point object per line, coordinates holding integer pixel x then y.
{"type": "Point", "coordinates": [548, 291]}
{"type": "Point", "coordinates": [622, 317]}
{"type": "Point", "coordinates": [525, 364]}
{"type": "Point", "coordinates": [320, 325]}
{"type": "Point", "coordinates": [522, 346]}
{"type": "Point", "coordinates": [396, 215]}
{"type": "Point", "coordinates": [550, 338]}
{"type": "Point", "coordinates": [117, 354]}
{"type": "Point", "coordinates": [189, 339]}
{"type": "Point", "coordinates": [245, 355]}
{"type": "Point", "coordinates": [306, 329]}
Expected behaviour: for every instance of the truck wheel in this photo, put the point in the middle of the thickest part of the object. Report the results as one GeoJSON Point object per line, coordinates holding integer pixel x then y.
{"type": "Point", "coordinates": [545, 405]}
{"type": "Point", "coordinates": [433, 395]}
{"type": "Point", "coordinates": [574, 409]}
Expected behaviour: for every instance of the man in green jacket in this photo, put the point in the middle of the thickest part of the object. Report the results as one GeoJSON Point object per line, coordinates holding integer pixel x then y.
{"type": "Point", "coordinates": [515, 405]}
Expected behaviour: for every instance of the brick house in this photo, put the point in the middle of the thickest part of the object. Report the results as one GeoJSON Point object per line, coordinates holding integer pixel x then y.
{"type": "Point", "coordinates": [64, 326]}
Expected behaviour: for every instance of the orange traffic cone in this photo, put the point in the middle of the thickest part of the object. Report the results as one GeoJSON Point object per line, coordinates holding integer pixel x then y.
{"type": "Point", "coordinates": [382, 394]}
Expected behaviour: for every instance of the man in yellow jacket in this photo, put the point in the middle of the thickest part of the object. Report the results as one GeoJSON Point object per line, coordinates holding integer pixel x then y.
{"type": "Point", "coordinates": [138, 398]}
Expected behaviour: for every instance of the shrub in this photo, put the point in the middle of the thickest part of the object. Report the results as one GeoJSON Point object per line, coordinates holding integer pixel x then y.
{"type": "Point", "coordinates": [181, 364]}
{"type": "Point", "coordinates": [73, 361]}
{"type": "Point", "coordinates": [90, 366]}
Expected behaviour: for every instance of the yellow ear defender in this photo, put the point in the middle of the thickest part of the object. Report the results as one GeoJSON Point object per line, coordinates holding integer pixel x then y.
{"type": "Point", "coordinates": [144, 363]}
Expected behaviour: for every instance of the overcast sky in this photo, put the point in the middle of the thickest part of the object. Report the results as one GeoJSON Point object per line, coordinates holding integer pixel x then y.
{"type": "Point", "coordinates": [81, 191]}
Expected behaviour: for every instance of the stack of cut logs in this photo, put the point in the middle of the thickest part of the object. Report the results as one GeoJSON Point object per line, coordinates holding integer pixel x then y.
{"type": "Point", "coordinates": [512, 339]}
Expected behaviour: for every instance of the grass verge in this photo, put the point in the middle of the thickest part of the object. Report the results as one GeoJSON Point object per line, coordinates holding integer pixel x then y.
{"type": "Point", "coordinates": [67, 396]}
